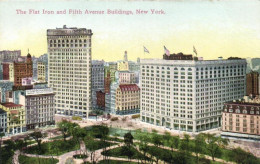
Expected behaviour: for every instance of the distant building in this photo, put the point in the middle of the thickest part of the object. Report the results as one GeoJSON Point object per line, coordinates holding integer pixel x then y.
{"type": "Point", "coordinates": [133, 66]}
{"type": "Point", "coordinates": [41, 72]}
{"type": "Point", "coordinates": [22, 70]}
{"type": "Point", "coordinates": [126, 77]}
{"type": "Point", "coordinates": [107, 82]}
{"type": "Point", "coordinates": [189, 95]}
{"type": "Point", "coordinates": [11, 72]}
{"type": "Point", "coordinates": [3, 121]}
{"type": "Point", "coordinates": [122, 66]}
{"type": "Point", "coordinates": [108, 102]}
{"type": "Point", "coordinates": [6, 75]}
{"type": "Point", "coordinates": [6, 94]}
{"type": "Point", "coordinates": [112, 68]}
{"type": "Point", "coordinates": [101, 101]}
{"type": "Point", "coordinates": [9, 56]}
{"type": "Point", "coordinates": [127, 99]}
{"type": "Point", "coordinates": [112, 98]}
{"type": "Point", "coordinates": [8, 71]}
{"type": "Point", "coordinates": [42, 69]}
{"type": "Point", "coordinates": [15, 117]}
{"type": "Point", "coordinates": [252, 83]}
{"type": "Point", "coordinates": [39, 107]}
{"type": "Point", "coordinates": [98, 72]}
{"type": "Point", "coordinates": [241, 118]}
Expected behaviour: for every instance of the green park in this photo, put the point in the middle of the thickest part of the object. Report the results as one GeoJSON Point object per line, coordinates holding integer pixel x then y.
{"type": "Point", "coordinates": [108, 145]}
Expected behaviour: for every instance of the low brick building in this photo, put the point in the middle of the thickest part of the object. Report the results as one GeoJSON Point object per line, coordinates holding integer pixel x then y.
{"type": "Point", "coordinates": [23, 70]}
{"type": "Point", "coordinates": [100, 99]}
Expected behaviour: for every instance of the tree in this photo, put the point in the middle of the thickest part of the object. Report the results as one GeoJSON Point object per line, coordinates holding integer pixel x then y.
{"type": "Point", "coordinates": [144, 139]}
{"type": "Point", "coordinates": [64, 128]}
{"type": "Point", "coordinates": [199, 145]}
{"type": "Point", "coordinates": [73, 128]}
{"type": "Point", "coordinates": [174, 142]}
{"type": "Point", "coordinates": [242, 157]}
{"type": "Point", "coordinates": [20, 144]}
{"type": "Point", "coordinates": [78, 134]}
{"type": "Point", "coordinates": [127, 151]}
{"type": "Point", "coordinates": [214, 144]}
{"type": "Point", "coordinates": [128, 139]}
{"type": "Point", "coordinates": [157, 140]}
{"type": "Point", "coordinates": [38, 136]}
{"type": "Point", "coordinates": [92, 146]}
{"type": "Point", "coordinates": [185, 146]}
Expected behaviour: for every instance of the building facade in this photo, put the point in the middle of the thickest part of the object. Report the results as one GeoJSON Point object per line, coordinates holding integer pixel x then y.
{"type": "Point", "coordinates": [6, 75]}
{"type": "Point", "coordinates": [3, 121]}
{"type": "Point", "coordinates": [101, 100]}
{"type": "Point", "coordinates": [188, 95]}
{"type": "Point", "coordinates": [107, 82]}
{"type": "Point", "coordinates": [98, 73]}
{"type": "Point", "coordinates": [9, 56]}
{"type": "Point", "coordinates": [23, 70]}
{"type": "Point", "coordinates": [126, 77]}
{"type": "Point", "coordinates": [6, 94]}
{"type": "Point", "coordinates": [41, 72]}
{"type": "Point", "coordinates": [252, 83]}
{"type": "Point", "coordinates": [127, 99]}
{"type": "Point", "coordinates": [15, 117]}
{"type": "Point", "coordinates": [69, 59]}
{"type": "Point", "coordinates": [122, 66]}
{"type": "Point", "coordinates": [241, 117]}
{"type": "Point", "coordinates": [39, 107]}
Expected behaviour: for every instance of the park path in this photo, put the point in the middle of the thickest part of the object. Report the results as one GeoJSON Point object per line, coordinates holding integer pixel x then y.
{"type": "Point", "coordinates": [16, 157]}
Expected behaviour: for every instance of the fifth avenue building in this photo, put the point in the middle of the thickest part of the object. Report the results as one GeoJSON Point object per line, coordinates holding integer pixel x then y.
{"type": "Point", "coordinates": [189, 95]}
{"type": "Point", "coordinates": [69, 61]}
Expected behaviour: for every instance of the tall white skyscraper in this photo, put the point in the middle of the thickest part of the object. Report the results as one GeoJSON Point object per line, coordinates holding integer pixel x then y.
{"type": "Point", "coordinates": [69, 62]}
{"type": "Point", "coordinates": [189, 95]}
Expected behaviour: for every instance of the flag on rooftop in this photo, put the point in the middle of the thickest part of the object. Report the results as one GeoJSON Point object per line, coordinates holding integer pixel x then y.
{"type": "Point", "coordinates": [194, 50]}
{"type": "Point", "coordinates": [146, 50]}
{"type": "Point", "coordinates": [167, 52]}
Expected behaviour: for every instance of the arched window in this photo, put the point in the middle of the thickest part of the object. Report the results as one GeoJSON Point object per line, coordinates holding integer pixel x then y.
{"type": "Point", "coordinates": [244, 111]}
{"type": "Point", "coordinates": [189, 69]}
{"type": "Point", "coordinates": [237, 111]}
{"type": "Point", "coordinates": [175, 69]}
{"type": "Point", "coordinates": [182, 69]}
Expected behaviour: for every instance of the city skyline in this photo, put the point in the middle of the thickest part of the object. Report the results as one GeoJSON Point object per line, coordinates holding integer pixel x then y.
{"type": "Point", "coordinates": [214, 28]}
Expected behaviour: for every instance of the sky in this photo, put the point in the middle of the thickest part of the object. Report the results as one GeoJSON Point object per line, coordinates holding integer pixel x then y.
{"type": "Point", "coordinates": [215, 28]}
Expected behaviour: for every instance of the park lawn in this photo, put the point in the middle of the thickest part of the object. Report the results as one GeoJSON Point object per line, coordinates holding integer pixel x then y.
{"type": "Point", "coordinates": [111, 138]}
{"type": "Point", "coordinates": [29, 160]}
{"type": "Point", "coordinates": [56, 138]}
{"type": "Point", "coordinates": [176, 157]}
{"type": "Point", "coordinates": [98, 145]}
{"type": "Point", "coordinates": [119, 152]}
{"type": "Point", "coordinates": [31, 142]}
{"type": "Point", "coordinates": [116, 162]}
{"type": "Point", "coordinates": [57, 147]}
